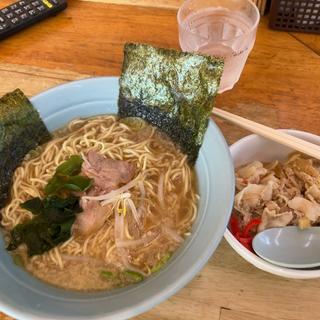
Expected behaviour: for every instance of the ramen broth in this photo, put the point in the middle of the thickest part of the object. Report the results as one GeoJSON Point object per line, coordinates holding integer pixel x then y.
{"type": "Point", "coordinates": [140, 227]}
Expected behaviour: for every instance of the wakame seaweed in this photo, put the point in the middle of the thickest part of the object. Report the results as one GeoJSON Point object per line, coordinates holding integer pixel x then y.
{"type": "Point", "coordinates": [50, 226]}
{"type": "Point", "coordinates": [54, 215]}
{"type": "Point", "coordinates": [170, 89]}
{"type": "Point", "coordinates": [67, 178]}
{"type": "Point", "coordinates": [21, 130]}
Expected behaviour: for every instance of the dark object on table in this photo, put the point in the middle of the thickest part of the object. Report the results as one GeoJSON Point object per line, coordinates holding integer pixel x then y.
{"type": "Point", "coordinates": [21, 130]}
{"type": "Point", "coordinates": [172, 90]}
{"type": "Point", "coordinates": [22, 14]}
{"type": "Point", "coordinates": [295, 15]}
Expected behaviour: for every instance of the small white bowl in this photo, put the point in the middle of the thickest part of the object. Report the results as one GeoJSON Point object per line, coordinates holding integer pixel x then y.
{"type": "Point", "coordinates": [252, 148]}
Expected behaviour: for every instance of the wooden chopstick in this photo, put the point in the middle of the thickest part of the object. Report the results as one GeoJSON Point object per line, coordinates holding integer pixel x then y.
{"type": "Point", "coordinates": [300, 145]}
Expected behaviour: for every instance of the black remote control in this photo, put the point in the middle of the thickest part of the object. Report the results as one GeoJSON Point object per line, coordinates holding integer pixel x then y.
{"type": "Point", "coordinates": [24, 13]}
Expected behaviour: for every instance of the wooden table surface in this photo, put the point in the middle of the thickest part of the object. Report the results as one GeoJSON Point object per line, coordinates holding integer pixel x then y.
{"type": "Point", "coordinates": [279, 87]}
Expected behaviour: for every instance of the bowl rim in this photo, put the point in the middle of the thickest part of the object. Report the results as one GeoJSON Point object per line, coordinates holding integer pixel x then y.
{"type": "Point", "coordinates": [253, 258]}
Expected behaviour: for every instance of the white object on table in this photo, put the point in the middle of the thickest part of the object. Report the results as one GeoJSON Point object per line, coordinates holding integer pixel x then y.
{"type": "Point", "coordinates": [289, 246]}
{"type": "Point", "coordinates": [251, 148]}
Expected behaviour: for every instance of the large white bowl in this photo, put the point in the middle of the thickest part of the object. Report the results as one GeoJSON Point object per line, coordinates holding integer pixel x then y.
{"type": "Point", "coordinates": [25, 297]}
{"type": "Point", "coordinates": [253, 148]}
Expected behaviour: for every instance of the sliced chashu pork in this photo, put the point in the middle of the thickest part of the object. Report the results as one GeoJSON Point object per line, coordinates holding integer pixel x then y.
{"type": "Point", "coordinates": [250, 174]}
{"type": "Point", "coordinates": [252, 197]}
{"type": "Point", "coordinates": [108, 175]}
{"type": "Point", "coordinates": [272, 218]}
{"type": "Point", "coordinates": [91, 218]}
{"type": "Point", "coordinates": [305, 208]}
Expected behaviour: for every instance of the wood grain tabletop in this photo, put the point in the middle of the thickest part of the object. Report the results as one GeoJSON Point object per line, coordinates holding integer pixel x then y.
{"type": "Point", "coordinates": [279, 87]}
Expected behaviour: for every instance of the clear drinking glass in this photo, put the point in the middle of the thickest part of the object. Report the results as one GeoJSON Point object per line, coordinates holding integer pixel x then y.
{"type": "Point", "coordinates": [222, 28]}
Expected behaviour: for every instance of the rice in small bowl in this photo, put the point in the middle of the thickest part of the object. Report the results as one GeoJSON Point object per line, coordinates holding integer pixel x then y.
{"type": "Point", "coordinates": [254, 148]}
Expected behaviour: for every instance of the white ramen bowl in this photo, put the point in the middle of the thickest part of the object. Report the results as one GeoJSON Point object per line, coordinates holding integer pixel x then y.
{"type": "Point", "coordinates": [25, 297]}
{"type": "Point", "coordinates": [253, 148]}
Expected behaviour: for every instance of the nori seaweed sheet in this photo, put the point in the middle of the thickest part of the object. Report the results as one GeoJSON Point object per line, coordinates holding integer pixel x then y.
{"type": "Point", "coordinates": [170, 89]}
{"type": "Point", "coordinates": [21, 130]}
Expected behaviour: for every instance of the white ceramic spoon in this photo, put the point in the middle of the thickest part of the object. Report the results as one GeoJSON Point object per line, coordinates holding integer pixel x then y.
{"type": "Point", "coordinates": [289, 246]}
